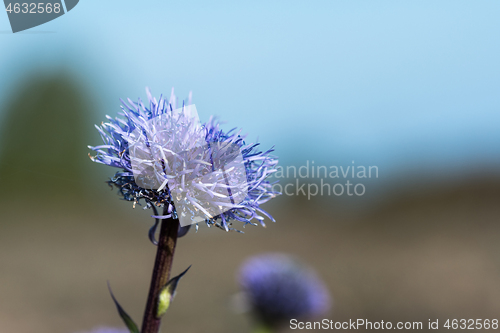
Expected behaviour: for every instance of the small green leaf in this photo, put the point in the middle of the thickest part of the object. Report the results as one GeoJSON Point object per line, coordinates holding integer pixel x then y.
{"type": "Point", "coordinates": [263, 329]}
{"type": "Point", "coordinates": [132, 327]}
{"type": "Point", "coordinates": [167, 294]}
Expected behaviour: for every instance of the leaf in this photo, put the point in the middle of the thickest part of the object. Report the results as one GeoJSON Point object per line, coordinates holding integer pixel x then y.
{"type": "Point", "coordinates": [263, 329]}
{"type": "Point", "coordinates": [167, 294]}
{"type": "Point", "coordinates": [183, 231]}
{"type": "Point", "coordinates": [132, 327]}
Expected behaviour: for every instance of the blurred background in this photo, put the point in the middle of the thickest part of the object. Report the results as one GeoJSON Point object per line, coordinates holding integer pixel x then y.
{"type": "Point", "coordinates": [410, 87]}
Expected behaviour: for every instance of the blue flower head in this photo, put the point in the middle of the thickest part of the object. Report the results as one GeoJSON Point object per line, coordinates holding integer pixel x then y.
{"type": "Point", "coordinates": [136, 117]}
{"type": "Point", "coordinates": [280, 288]}
{"type": "Point", "coordinates": [107, 330]}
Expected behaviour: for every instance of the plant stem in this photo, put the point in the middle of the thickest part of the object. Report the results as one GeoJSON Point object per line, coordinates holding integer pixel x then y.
{"type": "Point", "coordinates": [161, 272]}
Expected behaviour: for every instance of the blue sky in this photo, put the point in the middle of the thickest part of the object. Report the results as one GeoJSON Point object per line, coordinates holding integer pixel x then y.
{"type": "Point", "coordinates": [398, 84]}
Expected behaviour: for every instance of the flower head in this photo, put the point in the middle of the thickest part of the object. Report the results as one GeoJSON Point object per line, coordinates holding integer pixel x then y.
{"type": "Point", "coordinates": [107, 330]}
{"type": "Point", "coordinates": [280, 288]}
{"type": "Point", "coordinates": [164, 129]}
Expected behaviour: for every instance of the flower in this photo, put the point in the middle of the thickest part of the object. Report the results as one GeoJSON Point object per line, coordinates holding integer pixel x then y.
{"type": "Point", "coordinates": [280, 288]}
{"type": "Point", "coordinates": [121, 134]}
{"type": "Point", "coordinates": [107, 330]}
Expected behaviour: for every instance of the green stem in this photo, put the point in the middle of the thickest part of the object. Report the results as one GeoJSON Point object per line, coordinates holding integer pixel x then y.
{"type": "Point", "coordinates": [161, 272]}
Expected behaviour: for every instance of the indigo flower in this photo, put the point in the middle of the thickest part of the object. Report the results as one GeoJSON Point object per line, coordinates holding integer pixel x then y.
{"type": "Point", "coordinates": [107, 330]}
{"type": "Point", "coordinates": [279, 288]}
{"type": "Point", "coordinates": [136, 118]}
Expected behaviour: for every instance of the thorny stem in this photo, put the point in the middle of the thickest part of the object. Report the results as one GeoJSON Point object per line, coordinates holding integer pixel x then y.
{"type": "Point", "coordinates": [161, 272]}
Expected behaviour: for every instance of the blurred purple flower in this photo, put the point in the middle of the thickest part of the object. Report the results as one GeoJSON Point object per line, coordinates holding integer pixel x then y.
{"type": "Point", "coordinates": [279, 288]}
{"type": "Point", "coordinates": [107, 330]}
{"type": "Point", "coordinates": [258, 165]}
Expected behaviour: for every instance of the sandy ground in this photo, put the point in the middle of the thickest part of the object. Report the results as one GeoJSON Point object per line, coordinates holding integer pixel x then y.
{"type": "Point", "coordinates": [419, 256]}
